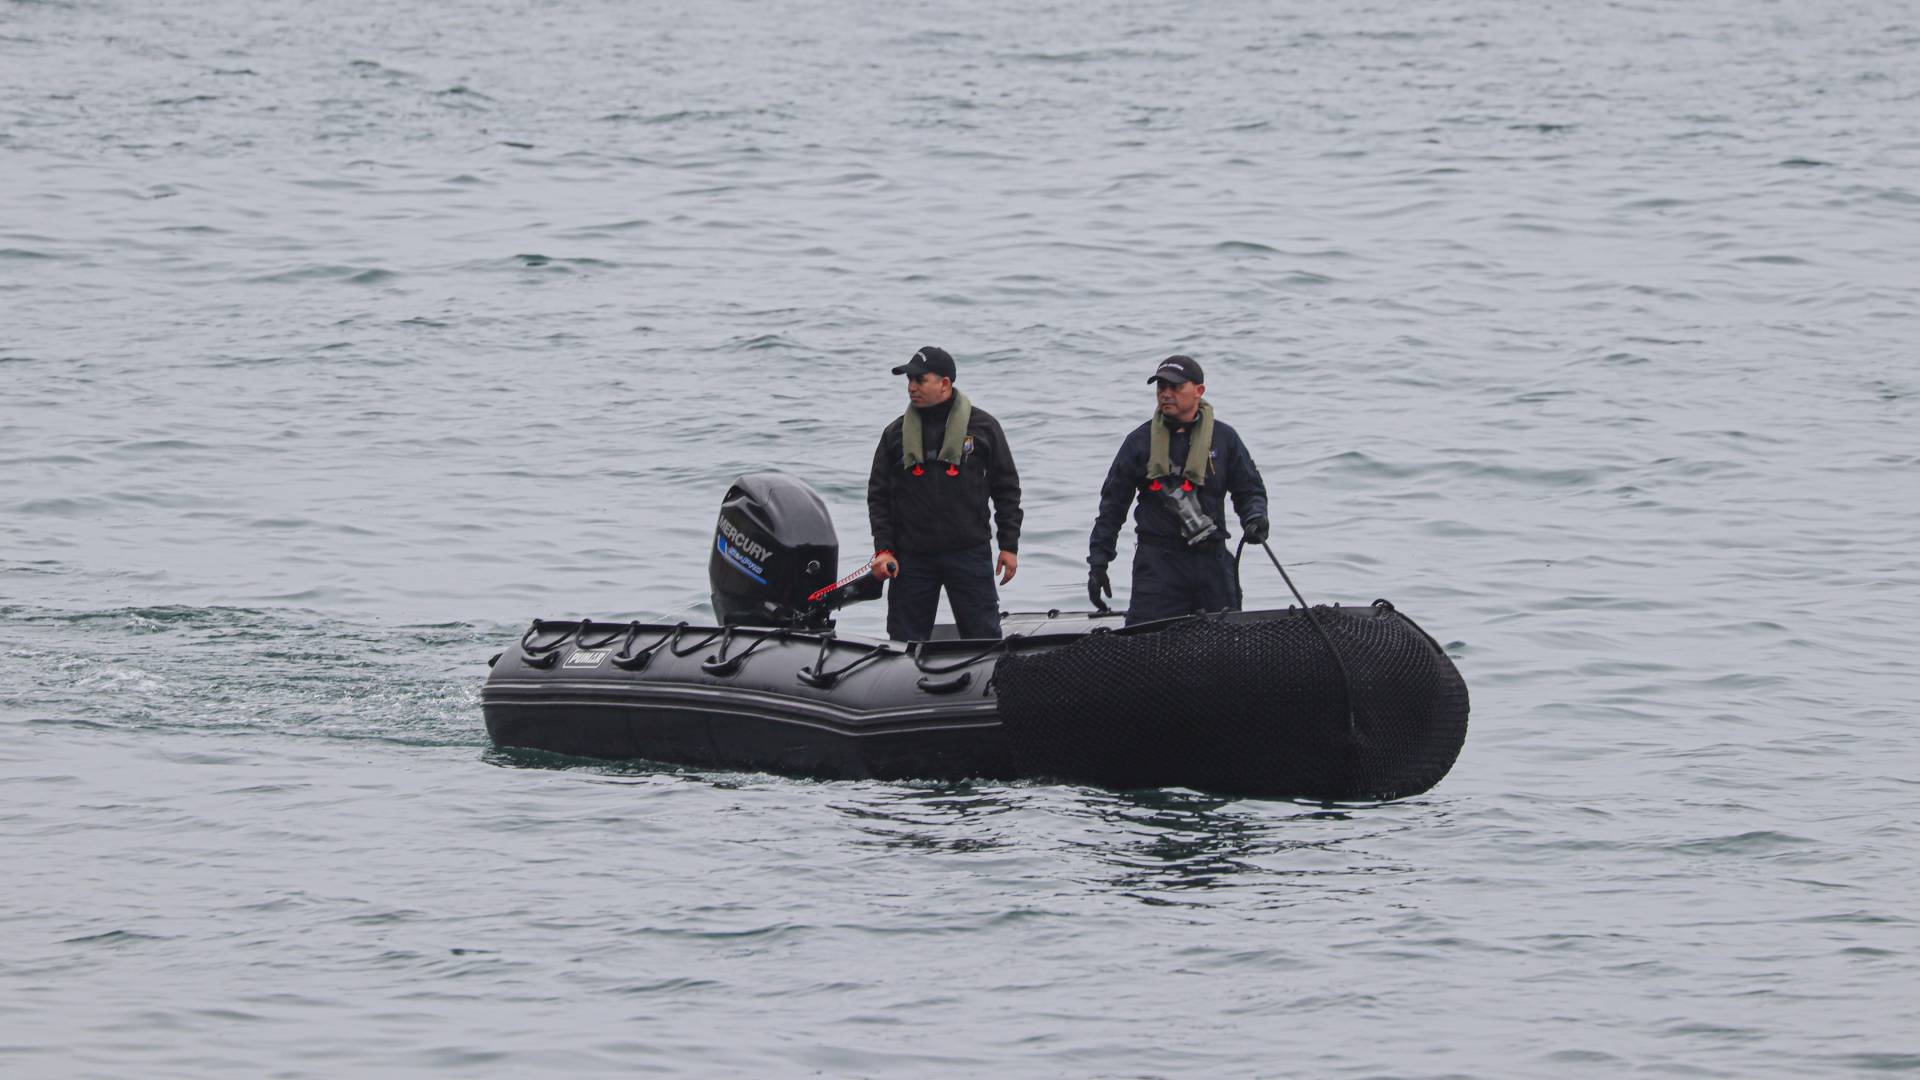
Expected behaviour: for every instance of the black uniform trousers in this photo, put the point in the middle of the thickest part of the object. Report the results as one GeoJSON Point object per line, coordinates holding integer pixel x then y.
{"type": "Point", "coordinates": [913, 598]}
{"type": "Point", "coordinates": [1169, 581]}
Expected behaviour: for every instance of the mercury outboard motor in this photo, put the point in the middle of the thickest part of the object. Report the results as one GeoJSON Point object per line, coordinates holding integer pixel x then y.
{"type": "Point", "coordinates": [773, 548]}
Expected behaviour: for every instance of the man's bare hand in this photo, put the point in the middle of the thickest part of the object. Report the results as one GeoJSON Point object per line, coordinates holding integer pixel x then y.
{"type": "Point", "coordinates": [1008, 564]}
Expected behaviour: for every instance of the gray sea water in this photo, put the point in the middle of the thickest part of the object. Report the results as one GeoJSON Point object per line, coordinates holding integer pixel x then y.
{"type": "Point", "coordinates": [338, 340]}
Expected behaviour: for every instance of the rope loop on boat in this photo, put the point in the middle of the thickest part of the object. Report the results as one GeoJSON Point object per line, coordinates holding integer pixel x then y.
{"type": "Point", "coordinates": [917, 650]}
{"type": "Point", "coordinates": [626, 631]}
{"type": "Point", "coordinates": [676, 650]}
{"type": "Point", "coordinates": [628, 660]}
{"type": "Point", "coordinates": [723, 665]}
{"type": "Point", "coordinates": [545, 656]}
{"type": "Point", "coordinates": [815, 676]}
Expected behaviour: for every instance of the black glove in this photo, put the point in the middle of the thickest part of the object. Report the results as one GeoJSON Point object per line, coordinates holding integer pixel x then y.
{"type": "Point", "coordinates": [1097, 583]}
{"type": "Point", "coordinates": [1256, 529]}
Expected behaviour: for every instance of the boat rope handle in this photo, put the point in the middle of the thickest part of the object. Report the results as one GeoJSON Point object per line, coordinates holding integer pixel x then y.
{"type": "Point", "coordinates": [814, 676]}
{"type": "Point", "coordinates": [917, 651]}
{"type": "Point", "coordinates": [626, 630]}
{"type": "Point", "coordinates": [722, 664]}
{"type": "Point", "coordinates": [826, 644]}
{"type": "Point", "coordinates": [927, 684]}
{"type": "Point", "coordinates": [676, 650]}
{"type": "Point", "coordinates": [628, 660]}
{"type": "Point", "coordinates": [544, 656]}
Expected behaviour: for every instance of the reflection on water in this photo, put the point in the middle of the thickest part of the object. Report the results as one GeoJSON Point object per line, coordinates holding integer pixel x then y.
{"type": "Point", "coordinates": [1183, 847]}
{"type": "Point", "coordinates": [1172, 841]}
{"type": "Point", "coordinates": [1158, 846]}
{"type": "Point", "coordinates": [958, 818]}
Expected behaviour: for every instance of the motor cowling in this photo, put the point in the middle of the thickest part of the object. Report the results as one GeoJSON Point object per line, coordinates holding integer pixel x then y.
{"type": "Point", "coordinates": [773, 547]}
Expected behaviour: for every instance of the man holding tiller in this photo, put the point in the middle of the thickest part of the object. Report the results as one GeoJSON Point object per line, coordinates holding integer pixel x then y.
{"type": "Point", "coordinates": [1178, 468]}
{"type": "Point", "coordinates": [934, 472]}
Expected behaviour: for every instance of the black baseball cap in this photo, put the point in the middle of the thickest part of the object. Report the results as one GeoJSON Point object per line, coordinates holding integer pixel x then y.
{"type": "Point", "coordinates": [930, 359]}
{"type": "Point", "coordinates": [1178, 369]}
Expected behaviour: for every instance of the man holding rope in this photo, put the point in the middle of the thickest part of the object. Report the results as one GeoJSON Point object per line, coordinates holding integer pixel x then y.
{"type": "Point", "coordinates": [1178, 468]}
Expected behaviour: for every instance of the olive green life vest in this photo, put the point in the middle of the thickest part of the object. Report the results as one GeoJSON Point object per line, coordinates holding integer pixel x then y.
{"type": "Point", "coordinates": [1160, 450]}
{"type": "Point", "coordinates": [952, 445]}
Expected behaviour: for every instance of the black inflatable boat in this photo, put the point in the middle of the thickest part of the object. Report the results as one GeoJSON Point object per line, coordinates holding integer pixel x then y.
{"type": "Point", "coordinates": [1329, 703]}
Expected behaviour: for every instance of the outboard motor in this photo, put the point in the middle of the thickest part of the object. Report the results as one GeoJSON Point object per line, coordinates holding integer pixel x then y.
{"type": "Point", "coordinates": [773, 548]}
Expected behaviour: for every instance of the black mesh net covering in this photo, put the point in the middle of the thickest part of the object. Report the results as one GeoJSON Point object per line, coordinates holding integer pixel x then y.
{"type": "Point", "coordinates": [1247, 706]}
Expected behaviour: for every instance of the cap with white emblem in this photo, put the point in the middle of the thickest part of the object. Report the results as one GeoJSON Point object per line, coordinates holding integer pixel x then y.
{"type": "Point", "coordinates": [930, 359]}
{"type": "Point", "coordinates": [1176, 370]}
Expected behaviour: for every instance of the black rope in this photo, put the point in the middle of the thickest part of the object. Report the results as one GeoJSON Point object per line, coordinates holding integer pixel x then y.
{"type": "Point", "coordinates": [626, 647]}
{"type": "Point", "coordinates": [826, 644]}
{"type": "Point", "coordinates": [1346, 678]}
{"type": "Point", "coordinates": [629, 660]}
{"type": "Point", "coordinates": [816, 677]}
{"type": "Point", "coordinates": [626, 630]}
{"type": "Point", "coordinates": [535, 652]}
{"type": "Point", "coordinates": [676, 650]}
{"type": "Point", "coordinates": [1239, 592]}
{"type": "Point", "coordinates": [722, 664]}
{"type": "Point", "coordinates": [918, 650]}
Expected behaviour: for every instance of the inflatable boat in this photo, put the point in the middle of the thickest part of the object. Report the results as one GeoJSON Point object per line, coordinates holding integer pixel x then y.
{"type": "Point", "coordinates": [1334, 704]}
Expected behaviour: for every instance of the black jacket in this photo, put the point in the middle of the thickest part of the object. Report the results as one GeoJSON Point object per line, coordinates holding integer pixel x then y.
{"type": "Point", "coordinates": [1231, 469]}
{"type": "Point", "coordinates": [935, 512]}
